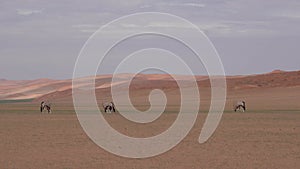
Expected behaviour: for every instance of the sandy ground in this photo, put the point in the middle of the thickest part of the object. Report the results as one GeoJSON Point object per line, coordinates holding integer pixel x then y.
{"type": "Point", "coordinates": [266, 136]}
{"type": "Point", "coordinates": [242, 140]}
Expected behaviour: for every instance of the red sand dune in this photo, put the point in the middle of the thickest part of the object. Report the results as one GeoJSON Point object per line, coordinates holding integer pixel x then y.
{"type": "Point", "coordinates": [275, 85]}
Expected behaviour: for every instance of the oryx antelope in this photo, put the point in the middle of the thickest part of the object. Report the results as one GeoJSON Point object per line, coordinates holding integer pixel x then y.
{"type": "Point", "coordinates": [45, 105]}
{"type": "Point", "coordinates": [240, 105]}
{"type": "Point", "coordinates": [109, 107]}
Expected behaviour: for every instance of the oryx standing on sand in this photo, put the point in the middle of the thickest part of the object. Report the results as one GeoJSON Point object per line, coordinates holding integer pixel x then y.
{"type": "Point", "coordinates": [109, 107]}
{"type": "Point", "coordinates": [45, 105]}
{"type": "Point", "coordinates": [240, 105]}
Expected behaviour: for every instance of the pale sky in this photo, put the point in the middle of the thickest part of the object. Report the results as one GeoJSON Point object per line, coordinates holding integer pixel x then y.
{"type": "Point", "coordinates": [42, 38]}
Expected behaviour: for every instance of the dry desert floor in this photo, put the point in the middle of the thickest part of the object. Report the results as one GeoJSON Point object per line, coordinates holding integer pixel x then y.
{"type": "Point", "coordinates": [242, 140]}
{"type": "Point", "coordinates": [266, 136]}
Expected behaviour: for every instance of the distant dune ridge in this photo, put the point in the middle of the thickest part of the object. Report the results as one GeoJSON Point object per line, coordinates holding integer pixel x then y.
{"type": "Point", "coordinates": [275, 85]}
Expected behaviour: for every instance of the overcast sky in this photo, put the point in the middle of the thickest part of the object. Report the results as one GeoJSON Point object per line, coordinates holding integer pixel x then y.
{"type": "Point", "coordinates": [42, 38]}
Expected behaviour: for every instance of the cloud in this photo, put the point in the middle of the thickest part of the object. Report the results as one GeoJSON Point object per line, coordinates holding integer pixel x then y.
{"type": "Point", "coordinates": [129, 25]}
{"type": "Point", "coordinates": [26, 12]}
{"type": "Point", "coordinates": [49, 26]}
{"type": "Point", "coordinates": [198, 5]}
{"type": "Point", "coordinates": [167, 25]}
{"type": "Point", "coordinates": [194, 5]}
{"type": "Point", "coordinates": [86, 28]}
{"type": "Point", "coordinates": [289, 15]}
{"type": "Point", "coordinates": [236, 29]}
{"type": "Point", "coordinates": [219, 28]}
{"type": "Point", "coordinates": [145, 6]}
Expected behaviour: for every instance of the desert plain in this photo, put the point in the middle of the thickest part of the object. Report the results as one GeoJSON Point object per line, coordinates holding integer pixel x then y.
{"type": "Point", "coordinates": [267, 135]}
